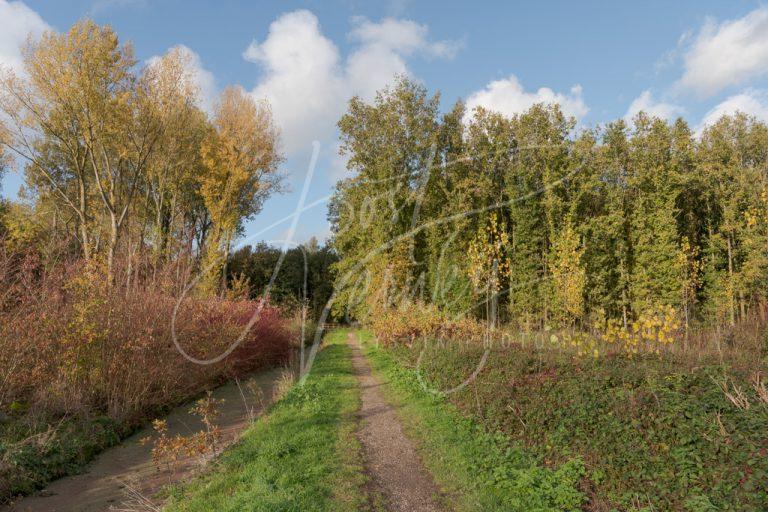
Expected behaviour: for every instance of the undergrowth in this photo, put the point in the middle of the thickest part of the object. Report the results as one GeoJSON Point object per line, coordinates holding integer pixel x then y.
{"type": "Point", "coordinates": [84, 363]}
{"type": "Point", "coordinates": [655, 433]}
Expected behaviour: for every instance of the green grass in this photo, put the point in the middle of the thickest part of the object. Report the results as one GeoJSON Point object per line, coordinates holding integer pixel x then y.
{"type": "Point", "coordinates": [479, 470]}
{"type": "Point", "coordinates": [654, 433]}
{"type": "Point", "coordinates": [301, 456]}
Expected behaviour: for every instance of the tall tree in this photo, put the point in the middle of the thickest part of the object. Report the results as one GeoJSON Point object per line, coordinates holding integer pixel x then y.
{"type": "Point", "coordinates": [733, 157]}
{"type": "Point", "coordinates": [656, 272]}
{"type": "Point", "coordinates": [172, 189]}
{"type": "Point", "coordinates": [392, 146]}
{"type": "Point", "coordinates": [76, 121]}
{"type": "Point", "coordinates": [241, 159]}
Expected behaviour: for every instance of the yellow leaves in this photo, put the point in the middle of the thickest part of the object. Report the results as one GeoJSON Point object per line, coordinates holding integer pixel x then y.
{"type": "Point", "coordinates": [652, 330]}
{"type": "Point", "coordinates": [418, 321]}
{"type": "Point", "coordinates": [240, 156]}
{"type": "Point", "coordinates": [750, 217]}
{"type": "Point", "coordinates": [488, 264]}
{"type": "Point", "coordinates": [568, 275]}
{"type": "Point", "coordinates": [170, 450]}
{"type": "Point", "coordinates": [756, 215]}
{"type": "Point", "coordinates": [583, 344]}
{"type": "Point", "coordinates": [85, 67]}
{"type": "Point", "coordinates": [160, 426]}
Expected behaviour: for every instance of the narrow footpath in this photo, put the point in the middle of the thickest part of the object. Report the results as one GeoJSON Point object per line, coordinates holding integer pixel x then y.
{"type": "Point", "coordinates": [397, 474]}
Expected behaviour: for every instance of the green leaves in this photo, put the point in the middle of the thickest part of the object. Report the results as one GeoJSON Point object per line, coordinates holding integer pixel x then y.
{"type": "Point", "coordinates": [652, 433]}
{"type": "Point", "coordinates": [610, 222]}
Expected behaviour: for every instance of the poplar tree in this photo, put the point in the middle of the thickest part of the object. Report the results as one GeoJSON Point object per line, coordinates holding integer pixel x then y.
{"type": "Point", "coordinates": [240, 158]}
{"type": "Point", "coordinates": [391, 146]}
{"type": "Point", "coordinates": [610, 224]}
{"type": "Point", "coordinates": [656, 273]}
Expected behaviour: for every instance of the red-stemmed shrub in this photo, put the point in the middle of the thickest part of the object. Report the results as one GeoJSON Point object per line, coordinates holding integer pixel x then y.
{"type": "Point", "coordinates": [73, 346]}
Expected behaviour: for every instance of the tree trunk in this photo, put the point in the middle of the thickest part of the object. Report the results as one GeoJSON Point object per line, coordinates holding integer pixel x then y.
{"type": "Point", "coordinates": [112, 247]}
{"type": "Point", "coordinates": [731, 294]}
{"type": "Point", "coordinates": [227, 248]}
{"type": "Point", "coordinates": [83, 216]}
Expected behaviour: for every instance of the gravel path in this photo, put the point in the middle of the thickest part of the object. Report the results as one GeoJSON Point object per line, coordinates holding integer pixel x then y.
{"type": "Point", "coordinates": [397, 474]}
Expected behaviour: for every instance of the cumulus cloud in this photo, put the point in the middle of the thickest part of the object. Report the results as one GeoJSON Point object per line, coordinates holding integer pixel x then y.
{"type": "Point", "coordinates": [752, 102]}
{"type": "Point", "coordinates": [17, 22]}
{"type": "Point", "coordinates": [405, 36]}
{"type": "Point", "coordinates": [508, 96]}
{"type": "Point", "coordinates": [727, 54]}
{"type": "Point", "coordinates": [302, 78]}
{"type": "Point", "coordinates": [203, 80]}
{"type": "Point", "coordinates": [307, 82]}
{"type": "Point", "coordinates": [383, 49]}
{"type": "Point", "coordinates": [646, 103]}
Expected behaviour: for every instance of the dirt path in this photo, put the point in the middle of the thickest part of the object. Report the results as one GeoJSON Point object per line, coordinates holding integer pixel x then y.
{"type": "Point", "coordinates": [396, 471]}
{"type": "Point", "coordinates": [122, 477]}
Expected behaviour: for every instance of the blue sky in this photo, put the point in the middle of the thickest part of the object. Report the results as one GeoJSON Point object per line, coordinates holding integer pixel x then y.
{"type": "Point", "coordinates": [601, 60]}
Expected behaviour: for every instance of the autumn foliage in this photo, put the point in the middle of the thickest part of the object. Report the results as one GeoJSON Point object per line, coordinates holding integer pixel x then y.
{"type": "Point", "coordinates": [74, 344]}
{"type": "Point", "coordinates": [79, 351]}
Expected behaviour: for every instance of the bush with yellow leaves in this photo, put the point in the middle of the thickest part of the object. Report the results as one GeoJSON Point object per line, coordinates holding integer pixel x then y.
{"type": "Point", "coordinates": [417, 321]}
{"type": "Point", "coordinates": [583, 343]}
{"type": "Point", "coordinates": [171, 451]}
{"type": "Point", "coordinates": [652, 330]}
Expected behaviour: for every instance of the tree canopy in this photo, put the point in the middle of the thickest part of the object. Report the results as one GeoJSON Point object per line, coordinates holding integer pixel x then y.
{"type": "Point", "coordinates": [122, 159]}
{"type": "Point", "coordinates": [555, 225]}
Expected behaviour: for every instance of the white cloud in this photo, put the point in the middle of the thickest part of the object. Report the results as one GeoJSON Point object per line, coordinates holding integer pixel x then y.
{"type": "Point", "coordinates": [670, 57]}
{"type": "Point", "coordinates": [646, 103]}
{"type": "Point", "coordinates": [382, 52]}
{"type": "Point", "coordinates": [17, 22]}
{"type": "Point", "coordinates": [752, 102]}
{"type": "Point", "coordinates": [202, 79]}
{"type": "Point", "coordinates": [302, 78]}
{"type": "Point", "coordinates": [727, 54]}
{"type": "Point", "coordinates": [508, 97]}
{"type": "Point", "coordinates": [405, 36]}
{"type": "Point", "coordinates": [307, 82]}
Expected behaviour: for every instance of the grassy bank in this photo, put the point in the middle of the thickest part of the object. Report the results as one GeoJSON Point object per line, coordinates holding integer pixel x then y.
{"type": "Point", "coordinates": [30, 460]}
{"type": "Point", "coordinates": [302, 455]}
{"type": "Point", "coordinates": [655, 433]}
{"type": "Point", "coordinates": [480, 471]}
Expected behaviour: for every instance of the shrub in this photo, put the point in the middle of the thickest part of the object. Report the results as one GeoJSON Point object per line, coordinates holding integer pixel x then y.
{"type": "Point", "coordinates": [416, 321]}
{"type": "Point", "coordinates": [654, 433]}
{"type": "Point", "coordinates": [74, 348]}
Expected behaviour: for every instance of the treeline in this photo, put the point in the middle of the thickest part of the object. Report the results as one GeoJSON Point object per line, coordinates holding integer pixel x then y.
{"type": "Point", "coordinates": [299, 277]}
{"type": "Point", "coordinates": [121, 161]}
{"type": "Point", "coordinates": [532, 221]}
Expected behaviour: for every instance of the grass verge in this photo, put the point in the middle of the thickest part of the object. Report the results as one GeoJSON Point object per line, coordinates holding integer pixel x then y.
{"type": "Point", "coordinates": [479, 470]}
{"type": "Point", "coordinates": [301, 456]}
{"type": "Point", "coordinates": [655, 433]}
